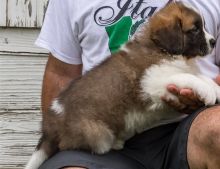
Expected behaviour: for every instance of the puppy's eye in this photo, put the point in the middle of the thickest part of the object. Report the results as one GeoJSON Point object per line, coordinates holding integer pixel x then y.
{"type": "Point", "coordinates": [194, 30]}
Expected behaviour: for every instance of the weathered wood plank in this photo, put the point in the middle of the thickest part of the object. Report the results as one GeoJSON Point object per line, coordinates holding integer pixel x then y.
{"type": "Point", "coordinates": [22, 13]}
{"type": "Point", "coordinates": [19, 42]}
{"type": "Point", "coordinates": [41, 10]}
{"type": "Point", "coordinates": [3, 13]}
{"type": "Point", "coordinates": [20, 86]}
{"type": "Point", "coordinates": [19, 132]}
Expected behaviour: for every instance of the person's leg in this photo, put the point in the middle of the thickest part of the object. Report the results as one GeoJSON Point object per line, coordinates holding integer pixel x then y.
{"type": "Point", "coordinates": [203, 150]}
{"type": "Point", "coordinates": [85, 160]}
{"type": "Point", "coordinates": [193, 143]}
{"type": "Point", "coordinates": [147, 150]}
{"type": "Point", "coordinates": [73, 168]}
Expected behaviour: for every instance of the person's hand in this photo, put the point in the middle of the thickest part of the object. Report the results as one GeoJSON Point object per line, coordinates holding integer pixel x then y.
{"type": "Point", "coordinates": [217, 80]}
{"type": "Point", "coordinates": [187, 102]}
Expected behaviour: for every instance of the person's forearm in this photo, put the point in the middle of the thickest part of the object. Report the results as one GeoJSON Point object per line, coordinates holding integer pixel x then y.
{"type": "Point", "coordinates": [56, 77]}
{"type": "Point", "coordinates": [52, 86]}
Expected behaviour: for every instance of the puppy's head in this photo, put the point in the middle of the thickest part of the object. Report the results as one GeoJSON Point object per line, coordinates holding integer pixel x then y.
{"type": "Point", "coordinates": [179, 29]}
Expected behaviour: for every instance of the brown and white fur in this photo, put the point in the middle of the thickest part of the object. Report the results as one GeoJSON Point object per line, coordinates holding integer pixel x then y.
{"type": "Point", "coordinates": [122, 96]}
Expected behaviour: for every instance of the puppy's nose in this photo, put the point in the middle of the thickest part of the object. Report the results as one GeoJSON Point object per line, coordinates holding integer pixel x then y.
{"type": "Point", "coordinates": [212, 42]}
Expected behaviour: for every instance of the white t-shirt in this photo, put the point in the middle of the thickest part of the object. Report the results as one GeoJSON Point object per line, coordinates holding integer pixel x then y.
{"type": "Point", "coordinates": [87, 32]}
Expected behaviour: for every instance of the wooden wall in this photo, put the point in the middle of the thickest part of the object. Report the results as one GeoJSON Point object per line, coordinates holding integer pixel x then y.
{"type": "Point", "coordinates": [21, 72]}
{"type": "Point", "coordinates": [20, 116]}
{"type": "Point", "coordinates": [19, 41]}
{"type": "Point", "coordinates": [22, 13]}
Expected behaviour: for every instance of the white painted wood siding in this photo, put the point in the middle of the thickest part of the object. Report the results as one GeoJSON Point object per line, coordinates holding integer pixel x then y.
{"type": "Point", "coordinates": [19, 41]}
{"type": "Point", "coordinates": [21, 72]}
{"type": "Point", "coordinates": [20, 88]}
{"type": "Point", "coordinates": [22, 13]}
{"type": "Point", "coordinates": [3, 12]}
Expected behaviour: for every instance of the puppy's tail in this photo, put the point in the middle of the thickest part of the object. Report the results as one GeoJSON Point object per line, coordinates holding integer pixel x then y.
{"type": "Point", "coordinates": [44, 150]}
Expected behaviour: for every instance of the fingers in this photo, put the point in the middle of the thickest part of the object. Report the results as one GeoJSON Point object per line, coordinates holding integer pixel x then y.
{"type": "Point", "coordinates": [217, 79]}
{"type": "Point", "coordinates": [173, 89]}
{"type": "Point", "coordinates": [174, 103]}
{"type": "Point", "coordinates": [185, 95]}
{"type": "Point", "coordinates": [187, 99]}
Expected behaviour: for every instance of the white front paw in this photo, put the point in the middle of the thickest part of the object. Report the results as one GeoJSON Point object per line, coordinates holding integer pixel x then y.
{"type": "Point", "coordinates": [200, 87]}
{"type": "Point", "coordinates": [206, 94]}
{"type": "Point", "coordinates": [214, 85]}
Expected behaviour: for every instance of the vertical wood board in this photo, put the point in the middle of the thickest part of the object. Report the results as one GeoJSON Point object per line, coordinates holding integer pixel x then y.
{"type": "Point", "coordinates": [22, 13]}
{"type": "Point", "coordinates": [3, 12]}
{"type": "Point", "coordinates": [41, 10]}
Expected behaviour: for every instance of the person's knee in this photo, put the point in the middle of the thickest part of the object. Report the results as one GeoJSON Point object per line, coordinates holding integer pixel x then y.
{"type": "Point", "coordinates": [205, 130]}
{"type": "Point", "coordinates": [204, 139]}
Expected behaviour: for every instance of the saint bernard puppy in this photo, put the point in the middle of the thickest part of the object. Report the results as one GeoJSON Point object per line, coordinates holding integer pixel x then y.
{"type": "Point", "coordinates": [122, 96]}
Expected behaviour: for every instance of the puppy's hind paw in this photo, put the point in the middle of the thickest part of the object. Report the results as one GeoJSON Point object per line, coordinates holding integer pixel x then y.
{"type": "Point", "coordinates": [118, 145]}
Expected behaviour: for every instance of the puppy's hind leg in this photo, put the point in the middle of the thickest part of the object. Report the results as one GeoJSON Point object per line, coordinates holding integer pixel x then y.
{"type": "Point", "coordinates": [98, 136]}
{"type": "Point", "coordinates": [118, 144]}
{"type": "Point", "coordinates": [90, 135]}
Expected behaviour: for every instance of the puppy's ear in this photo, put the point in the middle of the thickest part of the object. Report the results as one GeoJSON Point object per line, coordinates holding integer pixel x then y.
{"type": "Point", "coordinates": [169, 38]}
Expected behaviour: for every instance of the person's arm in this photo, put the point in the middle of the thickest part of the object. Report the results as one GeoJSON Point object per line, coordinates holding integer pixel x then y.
{"type": "Point", "coordinates": [57, 76]}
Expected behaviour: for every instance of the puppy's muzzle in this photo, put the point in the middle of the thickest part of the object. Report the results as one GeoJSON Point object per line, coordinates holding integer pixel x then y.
{"type": "Point", "coordinates": [212, 42]}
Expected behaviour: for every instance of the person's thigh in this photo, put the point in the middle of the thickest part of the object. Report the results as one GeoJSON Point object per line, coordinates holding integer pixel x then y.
{"type": "Point", "coordinates": [203, 150]}
{"type": "Point", "coordinates": [151, 149]}
{"type": "Point", "coordinates": [111, 160]}
{"type": "Point", "coordinates": [147, 150]}
{"type": "Point", "coordinates": [163, 147]}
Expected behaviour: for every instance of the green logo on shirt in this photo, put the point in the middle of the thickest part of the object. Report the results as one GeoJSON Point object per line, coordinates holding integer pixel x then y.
{"type": "Point", "coordinates": [120, 32]}
{"type": "Point", "coordinates": [119, 21]}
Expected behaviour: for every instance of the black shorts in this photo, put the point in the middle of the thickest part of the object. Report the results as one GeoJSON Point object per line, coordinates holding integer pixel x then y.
{"type": "Point", "coordinates": [163, 147]}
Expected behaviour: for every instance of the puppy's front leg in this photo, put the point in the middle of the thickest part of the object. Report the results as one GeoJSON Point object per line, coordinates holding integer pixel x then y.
{"type": "Point", "coordinates": [214, 85]}
{"type": "Point", "coordinates": [204, 88]}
